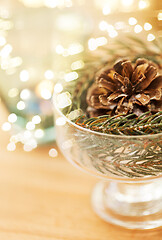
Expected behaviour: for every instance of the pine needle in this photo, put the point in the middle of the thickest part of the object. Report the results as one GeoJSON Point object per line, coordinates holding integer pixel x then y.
{"type": "Point", "coordinates": [124, 125]}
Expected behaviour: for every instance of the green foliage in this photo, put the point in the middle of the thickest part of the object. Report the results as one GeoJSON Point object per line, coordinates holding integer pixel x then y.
{"type": "Point", "coordinates": [130, 124]}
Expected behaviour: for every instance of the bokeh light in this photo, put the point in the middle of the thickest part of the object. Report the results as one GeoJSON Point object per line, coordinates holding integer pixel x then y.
{"type": "Point", "coordinates": [12, 118]}
{"type": "Point", "coordinates": [20, 105]}
{"type": "Point", "coordinates": [53, 152]}
{"type": "Point", "coordinates": [6, 126]}
{"type": "Point", "coordinates": [24, 75]}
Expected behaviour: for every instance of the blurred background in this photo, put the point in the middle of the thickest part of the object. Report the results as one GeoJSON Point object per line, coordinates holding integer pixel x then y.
{"type": "Point", "coordinates": [44, 41]}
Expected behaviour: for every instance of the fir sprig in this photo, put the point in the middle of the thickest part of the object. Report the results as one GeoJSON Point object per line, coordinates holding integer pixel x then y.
{"type": "Point", "coordinates": [130, 124]}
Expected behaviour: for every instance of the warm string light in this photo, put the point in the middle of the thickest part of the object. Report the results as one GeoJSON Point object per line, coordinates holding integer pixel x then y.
{"type": "Point", "coordinates": [63, 100]}
{"type": "Point", "coordinates": [132, 21]}
{"type": "Point", "coordinates": [60, 121]}
{"type": "Point", "coordinates": [21, 105]}
{"type": "Point", "coordinates": [25, 94]}
{"type": "Point", "coordinates": [106, 10]}
{"type": "Point", "coordinates": [7, 62]}
{"type": "Point", "coordinates": [44, 88]}
{"type": "Point", "coordinates": [27, 137]}
{"type": "Point", "coordinates": [113, 29]}
{"type": "Point", "coordinates": [109, 7]}
{"type": "Point", "coordinates": [94, 43]}
{"type": "Point", "coordinates": [30, 126]}
{"type": "Point", "coordinates": [53, 153]}
{"type": "Point", "coordinates": [24, 75]}
{"type": "Point", "coordinates": [48, 3]}
{"type": "Point", "coordinates": [49, 74]}
{"type": "Point", "coordinates": [143, 4]}
{"type": "Point", "coordinates": [74, 114]}
{"type": "Point", "coordinates": [30, 136]}
{"type": "Point", "coordinates": [150, 37]}
{"type": "Point", "coordinates": [33, 133]}
{"type": "Point", "coordinates": [12, 118]}
{"type": "Point", "coordinates": [39, 133]}
{"type": "Point", "coordinates": [71, 76]}
{"type": "Point", "coordinates": [138, 28]}
{"type": "Point", "coordinates": [147, 26]}
{"type": "Point", "coordinates": [159, 16]}
{"type": "Point", "coordinates": [73, 49]}
{"type": "Point", "coordinates": [11, 146]}
{"type": "Point", "coordinates": [36, 119]}
{"type": "Point", "coordinates": [58, 88]}
{"type": "Point", "coordinates": [6, 126]}
{"type": "Point", "coordinates": [110, 29]}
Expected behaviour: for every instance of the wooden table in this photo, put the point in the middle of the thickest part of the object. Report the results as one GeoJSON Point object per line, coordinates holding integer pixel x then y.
{"type": "Point", "coordinates": [43, 198]}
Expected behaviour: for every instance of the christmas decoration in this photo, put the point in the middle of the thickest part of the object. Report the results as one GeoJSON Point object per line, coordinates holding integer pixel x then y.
{"type": "Point", "coordinates": [126, 88]}
{"type": "Point", "coordinates": [131, 88]}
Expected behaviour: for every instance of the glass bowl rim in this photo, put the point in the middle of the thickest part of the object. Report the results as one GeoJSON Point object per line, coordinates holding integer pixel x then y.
{"type": "Point", "coordinates": [147, 136]}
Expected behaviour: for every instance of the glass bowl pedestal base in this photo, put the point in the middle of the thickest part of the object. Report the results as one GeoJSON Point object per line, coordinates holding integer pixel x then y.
{"type": "Point", "coordinates": [130, 205]}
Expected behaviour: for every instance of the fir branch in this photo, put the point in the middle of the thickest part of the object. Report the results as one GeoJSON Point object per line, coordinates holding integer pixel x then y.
{"type": "Point", "coordinates": [124, 124]}
{"type": "Point", "coordinates": [132, 158]}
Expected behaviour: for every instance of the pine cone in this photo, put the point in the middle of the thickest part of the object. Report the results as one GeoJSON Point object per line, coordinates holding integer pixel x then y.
{"type": "Point", "coordinates": [126, 88]}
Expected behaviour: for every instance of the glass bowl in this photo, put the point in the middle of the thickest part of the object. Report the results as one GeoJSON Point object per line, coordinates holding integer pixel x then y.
{"type": "Point", "coordinates": [130, 168]}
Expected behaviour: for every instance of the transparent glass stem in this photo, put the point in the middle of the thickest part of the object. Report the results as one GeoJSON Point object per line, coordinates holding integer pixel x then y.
{"type": "Point", "coordinates": [131, 205]}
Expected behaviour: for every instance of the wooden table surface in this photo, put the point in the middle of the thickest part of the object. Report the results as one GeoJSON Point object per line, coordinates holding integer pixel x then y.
{"type": "Point", "coordinates": [48, 199]}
